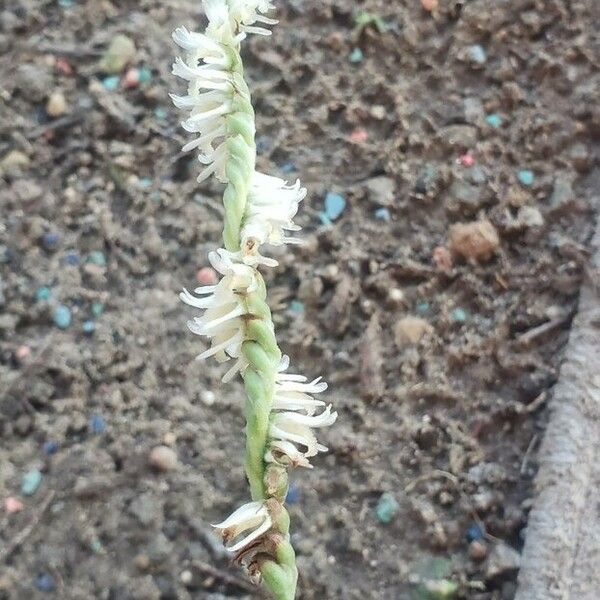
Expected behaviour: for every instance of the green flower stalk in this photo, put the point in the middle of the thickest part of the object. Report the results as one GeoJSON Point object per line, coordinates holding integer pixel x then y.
{"type": "Point", "coordinates": [281, 411]}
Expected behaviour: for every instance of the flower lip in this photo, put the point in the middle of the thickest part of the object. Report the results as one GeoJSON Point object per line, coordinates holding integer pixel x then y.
{"type": "Point", "coordinates": [252, 516]}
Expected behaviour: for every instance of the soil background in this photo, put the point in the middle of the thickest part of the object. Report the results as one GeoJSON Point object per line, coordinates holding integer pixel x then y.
{"type": "Point", "coordinates": [441, 344]}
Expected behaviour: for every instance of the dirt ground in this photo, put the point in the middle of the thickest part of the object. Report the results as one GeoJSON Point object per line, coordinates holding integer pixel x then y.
{"type": "Point", "coordinates": [441, 344]}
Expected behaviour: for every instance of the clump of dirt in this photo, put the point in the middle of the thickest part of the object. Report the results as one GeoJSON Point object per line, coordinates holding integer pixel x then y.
{"type": "Point", "coordinates": [439, 365]}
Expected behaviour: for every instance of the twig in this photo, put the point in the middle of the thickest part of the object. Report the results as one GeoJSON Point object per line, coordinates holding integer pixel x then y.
{"type": "Point", "coordinates": [529, 336]}
{"type": "Point", "coordinates": [528, 452]}
{"type": "Point", "coordinates": [57, 124]}
{"type": "Point", "coordinates": [226, 578]}
{"type": "Point", "coordinates": [27, 531]}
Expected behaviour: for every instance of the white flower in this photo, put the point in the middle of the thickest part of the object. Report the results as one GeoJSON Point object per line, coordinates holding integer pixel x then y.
{"type": "Point", "coordinates": [271, 206]}
{"type": "Point", "coordinates": [223, 319]}
{"type": "Point", "coordinates": [293, 393]}
{"type": "Point", "coordinates": [209, 99]}
{"type": "Point", "coordinates": [251, 516]}
{"type": "Point", "coordinates": [244, 13]}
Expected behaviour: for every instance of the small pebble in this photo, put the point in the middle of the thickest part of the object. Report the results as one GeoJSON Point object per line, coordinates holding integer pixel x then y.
{"type": "Point", "coordinates": [131, 79]}
{"type": "Point", "coordinates": [50, 240]}
{"type": "Point", "coordinates": [466, 160]}
{"type": "Point", "coordinates": [293, 495]}
{"type": "Point", "coordinates": [387, 508]}
{"type": "Point", "coordinates": [288, 168]}
{"type": "Point", "coordinates": [96, 546]}
{"type": "Point", "coordinates": [22, 353]}
{"type": "Point", "coordinates": [145, 183]}
{"type": "Point", "coordinates": [334, 205]}
{"type": "Point", "coordinates": [356, 56]}
{"type": "Point", "coordinates": [494, 121]}
{"type": "Point", "coordinates": [163, 458]}
{"type": "Point", "coordinates": [296, 306]}
{"type": "Point", "coordinates": [119, 53]}
{"type": "Point", "coordinates": [144, 75]}
{"type": "Point", "coordinates": [359, 136]}
{"type": "Point", "coordinates": [526, 177]}
{"type": "Point", "coordinates": [62, 316]}
{"type": "Point", "coordinates": [477, 550]}
{"type": "Point", "coordinates": [72, 259]}
{"type": "Point", "coordinates": [458, 315]}
{"type": "Point", "coordinates": [31, 482]}
{"type": "Point", "coordinates": [13, 505]}
{"type": "Point", "coordinates": [45, 583]}
{"type": "Point", "coordinates": [50, 448]}
{"type": "Point", "coordinates": [477, 240]}
{"type": "Point", "coordinates": [97, 309]}
{"type": "Point", "coordinates": [42, 294]}
{"type": "Point", "coordinates": [474, 532]}
{"type": "Point", "coordinates": [409, 331]}
{"type": "Point", "coordinates": [383, 214]}
{"type": "Point", "coordinates": [422, 308]}
{"type": "Point", "coordinates": [429, 5]}
{"type": "Point", "coordinates": [208, 397]}
{"type": "Point", "coordinates": [65, 3]}
{"type": "Point", "coordinates": [161, 114]}
{"type": "Point", "coordinates": [97, 424]}
{"type": "Point", "coordinates": [56, 105]}
{"type": "Point", "coordinates": [111, 83]}
{"type": "Point", "coordinates": [97, 258]}
{"type": "Point", "coordinates": [476, 53]}
{"type": "Point", "coordinates": [207, 276]}
{"type": "Point", "coordinates": [64, 67]}
{"type": "Point", "coordinates": [88, 327]}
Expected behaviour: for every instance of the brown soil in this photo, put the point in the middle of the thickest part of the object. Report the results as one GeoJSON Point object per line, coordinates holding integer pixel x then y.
{"type": "Point", "coordinates": [444, 409]}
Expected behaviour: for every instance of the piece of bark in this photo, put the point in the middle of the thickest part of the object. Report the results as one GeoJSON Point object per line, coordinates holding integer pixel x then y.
{"type": "Point", "coordinates": [371, 379]}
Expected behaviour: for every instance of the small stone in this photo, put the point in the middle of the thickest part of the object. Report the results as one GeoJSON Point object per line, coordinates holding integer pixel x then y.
{"type": "Point", "coordinates": [378, 112]}
{"type": "Point", "coordinates": [160, 113]}
{"type": "Point", "coordinates": [442, 258]}
{"type": "Point", "coordinates": [131, 79]}
{"type": "Point", "coordinates": [526, 177]}
{"type": "Point", "coordinates": [31, 482]}
{"type": "Point", "coordinates": [62, 316]}
{"type": "Point", "coordinates": [459, 136]}
{"type": "Point", "coordinates": [427, 180]}
{"type": "Point", "coordinates": [530, 216]}
{"type": "Point", "coordinates": [145, 75]}
{"type": "Point", "coordinates": [50, 448]}
{"type": "Point", "coordinates": [88, 327]}
{"type": "Point", "coordinates": [458, 315]}
{"type": "Point", "coordinates": [409, 331]}
{"type": "Point", "coordinates": [474, 532]}
{"type": "Point", "coordinates": [334, 205]}
{"type": "Point", "coordinates": [465, 194]}
{"type": "Point", "coordinates": [45, 583]}
{"type": "Point", "coordinates": [477, 240]}
{"type": "Point", "coordinates": [207, 276]}
{"type": "Point", "coordinates": [381, 190]}
{"type": "Point", "coordinates": [14, 161]}
{"type": "Point", "coordinates": [502, 560]}
{"type": "Point", "coordinates": [429, 5]}
{"type": "Point", "coordinates": [293, 495]}
{"type": "Point", "coordinates": [97, 258]}
{"type": "Point", "coordinates": [111, 83]}
{"type": "Point", "coordinates": [422, 308]}
{"type": "Point", "coordinates": [466, 160]}
{"type": "Point", "coordinates": [476, 54]}
{"type": "Point", "coordinates": [297, 307]}
{"type": "Point", "coordinates": [163, 458]}
{"type": "Point", "coordinates": [208, 397]}
{"type": "Point", "coordinates": [72, 259]}
{"type": "Point", "coordinates": [97, 309]}
{"type": "Point", "coordinates": [288, 168]}
{"type": "Point", "coordinates": [50, 240]}
{"type": "Point", "coordinates": [356, 56]}
{"type": "Point", "coordinates": [42, 294]}
{"type": "Point", "coordinates": [396, 296]}
{"type": "Point", "coordinates": [64, 67]}
{"type": "Point", "coordinates": [477, 550]}
{"type": "Point", "coordinates": [56, 105]}
{"type": "Point", "coordinates": [22, 353]}
{"type": "Point", "coordinates": [494, 121]}
{"type": "Point", "coordinates": [13, 505]}
{"type": "Point", "coordinates": [359, 136]}
{"type": "Point", "coordinates": [383, 214]}
{"type": "Point", "coordinates": [142, 562]}
{"type": "Point", "coordinates": [387, 508]}
{"type": "Point", "coordinates": [97, 424]}
{"type": "Point", "coordinates": [120, 52]}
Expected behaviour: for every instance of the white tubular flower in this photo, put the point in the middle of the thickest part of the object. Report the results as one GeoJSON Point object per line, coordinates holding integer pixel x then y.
{"type": "Point", "coordinates": [272, 204]}
{"type": "Point", "coordinates": [288, 430]}
{"type": "Point", "coordinates": [244, 13]}
{"type": "Point", "coordinates": [293, 393]}
{"type": "Point", "coordinates": [223, 319]}
{"type": "Point", "coordinates": [251, 516]}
